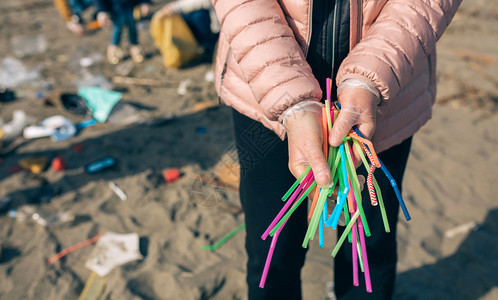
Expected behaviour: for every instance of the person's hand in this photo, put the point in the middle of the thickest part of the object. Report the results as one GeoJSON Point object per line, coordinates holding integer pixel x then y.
{"type": "Point", "coordinates": [75, 28]}
{"type": "Point", "coordinates": [304, 133]}
{"type": "Point", "coordinates": [358, 107]}
{"type": "Point", "coordinates": [104, 19]}
{"type": "Point", "coordinates": [144, 10]}
{"type": "Point", "coordinates": [167, 10]}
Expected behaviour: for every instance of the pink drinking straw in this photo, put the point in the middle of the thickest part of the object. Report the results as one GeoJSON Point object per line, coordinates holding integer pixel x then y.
{"type": "Point", "coordinates": [368, 283]}
{"type": "Point", "coordinates": [328, 83]}
{"type": "Point", "coordinates": [356, 281]}
{"type": "Point", "coordinates": [307, 181]}
{"type": "Point", "coordinates": [332, 114]}
{"type": "Point", "coordinates": [268, 259]}
{"type": "Point", "coordinates": [270, 255]}
{"type": "Point", "coordinates": [354, 240]}
{"type": "Point", "coordinates": [298, 192]}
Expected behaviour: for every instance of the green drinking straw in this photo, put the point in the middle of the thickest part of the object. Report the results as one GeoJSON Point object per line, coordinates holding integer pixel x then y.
{"type": "Point", "coordinates": [293, 208]}
{"type": "Point", "coordinates": [393, 183]}
{"type": "Point", "coordinates": [329, 120]}
{"type": "Point", "coordinates": [343, 189]}
{"type": "Point", "coordinates": [335, 167]}
{"type": "Point", "coordinates": [345, 233]}
{"type": "Point", "coordinates": [357, 195]}
{"type": "Point", "coordinates": [298, 182]}
{"type": "Point", "coordinates": [331, 157]}
{"type": "Point", "coordinates": [318, 212]}
{"type": "Point", "coordinates": [376, 185]}
{"type": "Point", "coordinates": [310, 233]}
{"type": "Point", "coordinates": [224, 239]}
{"type": "Point", "coordinates": [360, 258]}
{"type": "Point", "coordinates": [352, 170]}
{"type": "Point", "coordinates": [346, 219]}
{"type": "Point", "coordinates": [354, 248]}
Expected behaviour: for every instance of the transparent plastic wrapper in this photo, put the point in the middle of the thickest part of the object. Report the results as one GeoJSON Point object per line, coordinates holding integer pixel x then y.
{"type": "Point", "coordinates": [33, 214]}
{"type": "Point", "coordinates": [88, 61]}
{"type": "Point", "coordinates": [13, 73]}
{"type": "Point", "coordinates": [93, 80]}
{"type": "Point", "coordinates": [25, 45]}
{"type": "Point", "coordinates": [124, 114]}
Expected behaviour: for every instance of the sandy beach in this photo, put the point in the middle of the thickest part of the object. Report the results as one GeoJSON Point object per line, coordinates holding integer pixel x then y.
{"type": "Point", "coordinates": [447, 251]}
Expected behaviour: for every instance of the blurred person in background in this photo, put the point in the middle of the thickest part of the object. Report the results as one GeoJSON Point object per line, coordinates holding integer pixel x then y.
{"type": "Point", "coordinates": [120, 14]}
{"type": "Point", "coordinates": [200, 17]}
{"type": "Point", "coordinates": [71, 10]}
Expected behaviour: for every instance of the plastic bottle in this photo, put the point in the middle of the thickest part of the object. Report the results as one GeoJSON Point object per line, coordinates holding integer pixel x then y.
{"type": "Point", "coordinates": [100, 165]}
{"type": "Point", "coordinates": [32, 214]}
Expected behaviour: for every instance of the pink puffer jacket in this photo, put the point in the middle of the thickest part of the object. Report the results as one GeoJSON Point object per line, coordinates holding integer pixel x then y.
{"type": "Point", "coordinates": [262, 71]}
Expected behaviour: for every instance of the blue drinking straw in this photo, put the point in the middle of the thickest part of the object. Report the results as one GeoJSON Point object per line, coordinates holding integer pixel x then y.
{"type": "Point", "coordinates": [320, 232]}
{"type": "Point", "coordinates": [388, 175]}
{"type": "Point", "coordinates": [376, 185]}
{"type": "Point", "coordinates": [334, 218]}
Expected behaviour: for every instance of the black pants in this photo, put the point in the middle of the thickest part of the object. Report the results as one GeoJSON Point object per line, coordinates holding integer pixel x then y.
{"type": "Point", "coordinates": [265, 177]}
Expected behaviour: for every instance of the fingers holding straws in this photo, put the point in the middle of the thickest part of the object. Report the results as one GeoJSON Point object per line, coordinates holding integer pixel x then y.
{"type": "Point", "coordinates": [326, 145]}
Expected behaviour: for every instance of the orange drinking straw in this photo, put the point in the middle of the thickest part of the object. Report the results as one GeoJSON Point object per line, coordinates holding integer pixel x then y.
{"type": "Point", "coordinates": [315, 200]}
{"type": "Point", "coordinates": [325, 145]}
{"type": "Point", "coordinates": [92, 25]}
{"type": "Point", "coordinates": [371, 190]}
{"type": "Point", "coordinates": [74, 248]}
{"type": "Point", "coordinates": [375, 162]}
{"type": "Point", "coordinates": [350, 197]}
{"type": "Point", "coordinates": [324, 149]}
{"type": "Point", "coordinates": [325, 133]}
{"type": "Point", "coordinates": [355, 136]}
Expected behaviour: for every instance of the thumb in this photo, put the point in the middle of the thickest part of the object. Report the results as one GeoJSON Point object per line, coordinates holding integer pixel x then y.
{"type": "Point", "coordinates": [340, 129]}
{"type": "Point", "coordinates": [313, 150]}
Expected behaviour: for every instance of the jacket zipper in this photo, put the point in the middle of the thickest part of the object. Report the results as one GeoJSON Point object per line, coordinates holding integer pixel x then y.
{"type": "Point", "coordinates": [360, 21]}
{"type": "Point", "coordinates": [356, 15]}
{"type": "Point", "coordinates": [334, 38]}
{"type": "Point", "coordinates": [309, 31]}
{"type": "Point", "coordinates": [325, 41]}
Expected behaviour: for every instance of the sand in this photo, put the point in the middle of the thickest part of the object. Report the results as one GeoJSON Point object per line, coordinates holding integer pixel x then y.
{"type": "Point", "coordinates": [447, 251]}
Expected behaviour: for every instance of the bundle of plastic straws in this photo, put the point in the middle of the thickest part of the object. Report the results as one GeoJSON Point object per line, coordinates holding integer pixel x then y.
{"type": "Point", "coordinates": [348, 201]}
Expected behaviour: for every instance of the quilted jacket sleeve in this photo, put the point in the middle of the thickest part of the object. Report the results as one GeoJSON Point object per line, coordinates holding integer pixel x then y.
{"type": "Point", "coordinates": [264, 47]}
{"type": "Point", "coordinates": [402, 36]}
